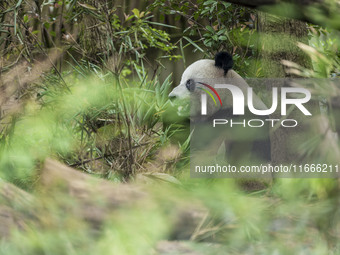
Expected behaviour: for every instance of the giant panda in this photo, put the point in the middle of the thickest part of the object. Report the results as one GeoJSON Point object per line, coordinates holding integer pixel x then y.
{"type": "Point", "coordinates": [219, 71]}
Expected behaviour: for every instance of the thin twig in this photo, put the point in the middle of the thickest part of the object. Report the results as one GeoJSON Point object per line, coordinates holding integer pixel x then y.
{"type": "Point", "coordinates": [108, 155]}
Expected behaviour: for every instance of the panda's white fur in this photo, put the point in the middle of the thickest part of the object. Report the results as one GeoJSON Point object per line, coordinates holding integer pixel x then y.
{"type": "Point", "coordinates": [201, 69]}
{"type": "Point", "coordinates": [205, 70]}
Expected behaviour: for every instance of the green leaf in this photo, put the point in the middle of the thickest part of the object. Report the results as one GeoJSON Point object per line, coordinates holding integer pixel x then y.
{"type": "Point", "coordinates": [87, 6]}
{"type": "Point", "coordinates": [18, 4]}
{"type": "Point", "coordinates": [193, 43]}
{"type": "Point", "coordinates": [209, 2]}
{"type": "Point", "coordinates": [136, 12]}
{"type": "Point", "coordinates": [210, 29]}
{"type": "Point", "coordinates": [226, 5]}
{"type": "Point", "coordinates": [160, 24]}
{"type": "Point", "coordinates": [47, 25]}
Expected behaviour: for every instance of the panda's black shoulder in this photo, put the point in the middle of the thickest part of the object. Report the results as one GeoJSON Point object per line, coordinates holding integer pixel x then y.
{"type": "Point", "coordinates": [224, 60]}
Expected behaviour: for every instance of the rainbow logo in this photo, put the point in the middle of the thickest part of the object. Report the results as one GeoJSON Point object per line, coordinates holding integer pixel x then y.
{"type": "Point", "coordinates": [208, 92]}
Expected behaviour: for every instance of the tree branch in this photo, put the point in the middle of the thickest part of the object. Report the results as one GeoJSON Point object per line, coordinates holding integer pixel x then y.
{"type": "Point", "coordinates": [318, 12]}
{"type": "Point", "coordinates": [258, 3]}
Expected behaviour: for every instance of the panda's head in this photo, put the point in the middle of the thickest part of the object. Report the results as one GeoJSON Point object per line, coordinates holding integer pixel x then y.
{"type": "Point", "coordinates": [187, 95]}
{"type": "Point", "coordinates": [202, 69]}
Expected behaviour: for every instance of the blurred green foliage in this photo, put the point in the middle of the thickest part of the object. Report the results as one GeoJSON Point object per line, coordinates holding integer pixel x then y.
{"type": "Point", "coordinates": [95, 117]}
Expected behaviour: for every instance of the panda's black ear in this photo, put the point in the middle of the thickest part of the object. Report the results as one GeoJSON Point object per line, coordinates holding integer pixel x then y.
{"type": "Point", "coordinates": [224, 60]}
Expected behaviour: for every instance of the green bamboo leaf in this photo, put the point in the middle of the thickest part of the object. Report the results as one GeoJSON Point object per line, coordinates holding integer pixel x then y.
{"type": "Point", "coordinates": [161, 24]}
{"type": "Point", "coordinates": [193, 43]}
{"type": "Point", "coordinates": [136, 12]}
{"type": "Point", "coordinates": [87, 6]}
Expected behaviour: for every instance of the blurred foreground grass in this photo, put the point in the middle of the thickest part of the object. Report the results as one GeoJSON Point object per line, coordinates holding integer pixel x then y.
{"type": "Point", "coordinates": [73, 213]}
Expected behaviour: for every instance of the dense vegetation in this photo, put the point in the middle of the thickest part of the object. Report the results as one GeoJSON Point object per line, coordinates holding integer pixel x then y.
{"type": "Point", "coordinates": [82, 83]}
